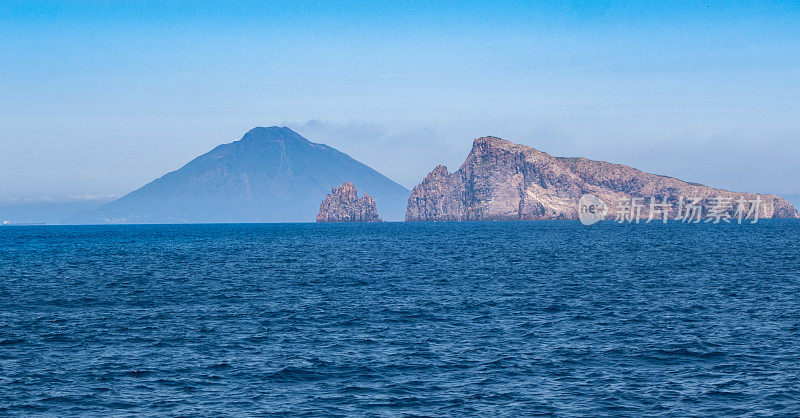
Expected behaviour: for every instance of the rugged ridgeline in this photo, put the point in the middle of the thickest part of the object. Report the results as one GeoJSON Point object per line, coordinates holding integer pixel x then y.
{"type": "Point", "coordinates": [270, 175]}
{"type": "Point", "coordinates": [501, 180]}
{"type": "Point", "coordinates": [343, 205]}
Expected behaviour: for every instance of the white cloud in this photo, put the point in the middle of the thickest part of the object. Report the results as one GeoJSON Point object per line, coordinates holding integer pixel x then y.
{"type": "Point", "coordinates": [405, 156]}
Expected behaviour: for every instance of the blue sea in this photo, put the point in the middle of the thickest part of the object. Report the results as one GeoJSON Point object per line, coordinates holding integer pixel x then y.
{"type": "Point", "coordinates": [401, 319]}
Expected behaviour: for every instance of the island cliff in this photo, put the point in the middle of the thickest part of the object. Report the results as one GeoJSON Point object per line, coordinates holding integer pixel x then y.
{"type": "Point", "coordinates": [501, 180]}
{"type": "Point", "coordinates": [343, 205]}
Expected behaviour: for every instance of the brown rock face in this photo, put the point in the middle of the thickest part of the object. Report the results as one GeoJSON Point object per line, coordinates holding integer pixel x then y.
{"type": "Point", "coordinates": [343, 205]}
{"type": "Point", "coordinates": [501, 180]}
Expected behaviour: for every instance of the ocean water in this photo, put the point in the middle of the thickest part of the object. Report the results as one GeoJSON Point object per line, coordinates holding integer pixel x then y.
{"type": "Point", "coordinates": [495, 318]}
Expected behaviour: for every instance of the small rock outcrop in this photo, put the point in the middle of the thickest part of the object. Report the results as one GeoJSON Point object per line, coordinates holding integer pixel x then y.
{"type": "Point", "coordinates": [501, 180]}
{"type": "Point", "coordinates": [343, 205]}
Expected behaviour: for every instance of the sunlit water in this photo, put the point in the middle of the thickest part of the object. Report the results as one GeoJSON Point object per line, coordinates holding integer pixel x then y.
{"type": "Point", "coordinates": [497, 318]}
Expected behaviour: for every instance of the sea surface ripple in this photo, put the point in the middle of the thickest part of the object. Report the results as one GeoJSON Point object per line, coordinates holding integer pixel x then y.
{"type": "Point", "coordinates": [490, 319]}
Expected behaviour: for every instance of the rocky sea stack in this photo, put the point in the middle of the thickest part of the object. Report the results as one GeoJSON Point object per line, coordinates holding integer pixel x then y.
{"type": "Point", "coordinates": [343, 205]}
{"type": "Point", "coordinates": [501, 180]}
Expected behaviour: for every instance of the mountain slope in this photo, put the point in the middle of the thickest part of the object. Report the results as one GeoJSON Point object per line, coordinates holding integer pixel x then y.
{"type": "Point", "coordinates": [270, 175]}
{"type": "Point", "coordinates": [501, 180]}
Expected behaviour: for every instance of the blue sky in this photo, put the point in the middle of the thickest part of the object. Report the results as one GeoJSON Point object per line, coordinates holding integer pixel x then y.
{"type": "Point", "coordinates": [102, 97]}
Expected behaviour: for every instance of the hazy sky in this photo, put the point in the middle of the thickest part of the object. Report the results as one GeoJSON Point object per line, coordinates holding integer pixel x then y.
{"type": "Point", "coordinates": [101, 97]}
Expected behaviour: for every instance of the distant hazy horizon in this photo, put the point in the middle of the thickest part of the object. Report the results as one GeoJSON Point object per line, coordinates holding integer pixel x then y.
{"type": "Point", "coordinates": [101, 98]}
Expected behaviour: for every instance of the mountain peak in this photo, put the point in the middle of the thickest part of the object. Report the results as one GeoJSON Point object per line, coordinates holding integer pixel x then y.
{"type": "Point", "coordinates": [490, 144]}
{"type": "Point", "coordinates": [494, 142]}
{"type": "Point", "coordinates": [272, 174]}
{"type": "Point", "coordinates": [272, 133]}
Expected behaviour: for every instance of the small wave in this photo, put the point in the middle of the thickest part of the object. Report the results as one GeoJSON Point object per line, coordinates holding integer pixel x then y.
{"type": "Point", "coordinates": [296, 374]}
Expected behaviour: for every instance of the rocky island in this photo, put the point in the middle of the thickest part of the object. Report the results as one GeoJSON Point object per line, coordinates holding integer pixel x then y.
{"type": "Point", "coordinates": [343, 205]}
{"type": "Point", "coordinates": [501, 180]}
